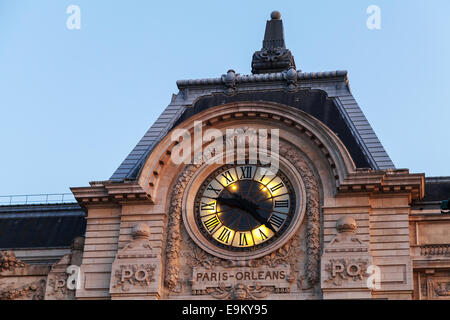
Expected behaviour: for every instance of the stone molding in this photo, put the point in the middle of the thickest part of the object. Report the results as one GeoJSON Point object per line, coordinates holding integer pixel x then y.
{"type": "Point", "coordinates": [384, 182]}
{"type": "Point", "coordinates": [263, 77]}
{"type": "Point", "coordinates": [107, 193]}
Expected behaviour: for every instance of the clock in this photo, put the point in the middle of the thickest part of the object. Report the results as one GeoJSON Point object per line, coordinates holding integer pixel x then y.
{"type": "Point", "coordinates": [245, 207]}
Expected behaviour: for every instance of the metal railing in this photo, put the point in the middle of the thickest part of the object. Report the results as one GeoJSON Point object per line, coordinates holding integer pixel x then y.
{"type": "Point", "coordinates": [51, 198]}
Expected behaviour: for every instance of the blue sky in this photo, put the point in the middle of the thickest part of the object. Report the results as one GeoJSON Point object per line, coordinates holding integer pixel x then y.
{"type": "Point", "coordinates": [73, 103]}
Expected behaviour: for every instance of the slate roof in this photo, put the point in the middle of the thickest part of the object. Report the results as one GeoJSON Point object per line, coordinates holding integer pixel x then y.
{"type": "Point", "coordinates": [40, 226]}
{"type": "Point", "coordinates": [334, 84]}
{"type": "Point", "coordinates": [437, 189]}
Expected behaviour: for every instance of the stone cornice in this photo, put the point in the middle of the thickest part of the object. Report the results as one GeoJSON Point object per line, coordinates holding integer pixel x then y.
{"type": "Point", "coordinates": [106, 192]}
{"type": "Point", "coordinates": [383, 182]}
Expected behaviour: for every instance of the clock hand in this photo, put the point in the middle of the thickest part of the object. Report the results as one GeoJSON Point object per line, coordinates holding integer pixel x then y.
{"type": "Point", "coordinates": [251, 208]}
{"type": "Point", "coordinates": [238, 202]}
{"type": "Point", "coordinates": [232, 202]}
{"type": "Point", "coordinates": [261, 220]}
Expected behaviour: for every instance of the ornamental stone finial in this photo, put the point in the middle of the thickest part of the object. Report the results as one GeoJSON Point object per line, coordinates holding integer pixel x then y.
{"type": "Point", "coordinates": [140, 231]}
{"type": "Point", "coordinates": [346, 224]}
{"type": "Point", "coordinates": [275, 15]}
{"type": "Point", "coordinates": [273, 56]}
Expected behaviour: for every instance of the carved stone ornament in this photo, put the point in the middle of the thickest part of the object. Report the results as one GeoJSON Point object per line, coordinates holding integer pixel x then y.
{"type": "Point", "coordinates": [9, 261]}
{"type": "Point", "coordinates": [229, 80]}
{"type": "Point", "coordinates": [345, 269]}
{"type": "Point", "coordinates": [287, 254]}
{"type": "Point", "coordinates": [240, 292]}
{"type": "Point", "coordinates": [130, 276]}
{"type": "Point", "coordinates": [174, 236]}
{"type": "Point", "coordinates": [346, 258]}
{"type": "Point", "coordinates": [57, 288]}
{"type": "Point", "coordinates": [284, 254]}
{"type": "Point", "coordinates": [272, 60]}
{"type": "Point", "coordinates": [33, 291]}
{"type": "Point", "coordinates": [136, 267]}
{"type": "Point", "coordinates": [436, 288]}
{"type": "Point", "coordinates": [291, 78]}
{"type": "Point", "coordinates": [442, 289]}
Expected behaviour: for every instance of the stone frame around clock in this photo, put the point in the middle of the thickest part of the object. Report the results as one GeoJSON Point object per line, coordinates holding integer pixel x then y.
{"type": "Point", "coordinates": [196, 235]}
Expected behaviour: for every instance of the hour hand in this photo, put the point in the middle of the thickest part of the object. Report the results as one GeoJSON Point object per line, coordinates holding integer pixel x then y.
{"type": "Point", "coordinates": [229, 202]}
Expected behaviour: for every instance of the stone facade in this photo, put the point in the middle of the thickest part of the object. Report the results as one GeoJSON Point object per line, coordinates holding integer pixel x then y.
{"type": "Point", "coordinates": [363, 229]}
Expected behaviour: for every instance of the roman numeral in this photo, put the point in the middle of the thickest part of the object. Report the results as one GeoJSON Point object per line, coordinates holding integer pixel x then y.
{"type": "Point", "coordinates": [208, 206]}
{"type": "Point", "coordinates": [262, 178]}
{"type": "Point", "coordinates": [246, 172]}
{"type": "Point", "coordinates": [211, 223]}
{"type": "Point", "coordinates": [281, 203]}
{"type": "Point", "coordinates": [263, 235]}
{"type": "Point", "coordinates": [276, 221]}
{"type": "Point", "coordinates": [228, 176]}
{"type": "Point", "coordinates": [243, 239]}
{"type": "Point", "coordinates": [278, 186]}
{"type": "Point", "coordinates": [225, 235]}
{"type": "Point", "coordinates": [211, 188]}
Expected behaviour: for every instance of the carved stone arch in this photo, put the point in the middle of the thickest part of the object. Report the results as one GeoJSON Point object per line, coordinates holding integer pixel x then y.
{"type": "Point", "coordinates": [293, 122]}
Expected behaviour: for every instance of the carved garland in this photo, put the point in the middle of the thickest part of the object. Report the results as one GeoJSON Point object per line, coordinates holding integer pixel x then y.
{"type": "Point", "coordinates": [34, 290]}
{"type": "Point", "coordinates": [312, 212]}
{"type": "Point", "coordinates": [174, 227]}
{"type": "Point", "coordinates": [9, 261]}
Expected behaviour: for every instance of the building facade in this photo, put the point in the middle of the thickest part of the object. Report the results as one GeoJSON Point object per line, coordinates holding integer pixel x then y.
{"type": "Point", "coordinates": [271, 185]}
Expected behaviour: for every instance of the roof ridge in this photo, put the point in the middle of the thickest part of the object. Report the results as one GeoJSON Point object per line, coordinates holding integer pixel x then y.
{"type": "Point", "coordinates": [261, 77]}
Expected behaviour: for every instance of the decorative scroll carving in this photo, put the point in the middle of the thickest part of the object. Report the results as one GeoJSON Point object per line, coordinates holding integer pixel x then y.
{"type": "Point", "coordinates": [272, 60]}
{"type": "Point", "coordinates": [9, 261]}
{"type": "Point", "coordinates": [34, 291]}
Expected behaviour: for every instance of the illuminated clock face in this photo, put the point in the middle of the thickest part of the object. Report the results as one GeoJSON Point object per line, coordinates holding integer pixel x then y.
{"type": "Point", "coordinates": [244, 207]}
